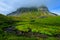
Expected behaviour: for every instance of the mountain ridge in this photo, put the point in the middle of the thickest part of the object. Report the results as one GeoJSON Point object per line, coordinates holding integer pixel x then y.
{"type": "Point", "coordinates": [40, 9]}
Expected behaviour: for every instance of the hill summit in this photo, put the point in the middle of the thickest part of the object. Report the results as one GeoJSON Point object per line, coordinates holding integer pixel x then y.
{"type": "Point", "coordinates": [43, 10]}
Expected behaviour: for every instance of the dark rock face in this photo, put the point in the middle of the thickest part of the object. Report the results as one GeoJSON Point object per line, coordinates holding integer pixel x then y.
{"type": "Point", "coordinates": [22, 10]}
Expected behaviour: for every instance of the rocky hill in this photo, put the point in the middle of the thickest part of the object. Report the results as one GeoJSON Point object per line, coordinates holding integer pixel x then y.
{"type": "Point", "coordinates": [43, 10]}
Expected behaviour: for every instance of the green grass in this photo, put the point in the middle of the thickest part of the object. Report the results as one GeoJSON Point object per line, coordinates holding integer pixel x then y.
{"type": "Point", "coordinates": [47, 26]}
{"type": "Point", "coordinates": [50, 25]}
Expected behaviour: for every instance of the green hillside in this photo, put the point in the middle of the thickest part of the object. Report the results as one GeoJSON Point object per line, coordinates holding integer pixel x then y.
{"type": "Point", "coordinates": [47, 25]}
{"type": "Point", "coordinates": [41, 25]}
{"type": "Point", "coordinates": [30, 25]}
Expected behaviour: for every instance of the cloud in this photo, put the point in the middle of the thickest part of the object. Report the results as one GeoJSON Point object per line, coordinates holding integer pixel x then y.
{"type": "Point", "coordinates": [57, 11]}
{"type": "Point", "coordinates": [16, 3]}
{"type": "Point", "coordinates": [4, 8]}
{"type": "Point", "coordinates": [7, 6]}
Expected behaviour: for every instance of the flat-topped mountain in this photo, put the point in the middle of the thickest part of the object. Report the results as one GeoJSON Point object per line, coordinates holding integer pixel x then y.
{"type": "Point", "coordinates": [43, 10]}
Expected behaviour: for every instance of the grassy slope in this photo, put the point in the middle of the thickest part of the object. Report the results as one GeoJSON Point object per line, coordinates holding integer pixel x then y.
{"type": "Point", "coordinates": [33, 20]}
{"type": "Point", "coordinates": [49, 25]}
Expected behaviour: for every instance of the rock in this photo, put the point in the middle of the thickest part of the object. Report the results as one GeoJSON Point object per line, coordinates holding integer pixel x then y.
{"type": "Point", "coordinates": [42, 10]}
{"type": "Point", "coordinates": [23, 33]}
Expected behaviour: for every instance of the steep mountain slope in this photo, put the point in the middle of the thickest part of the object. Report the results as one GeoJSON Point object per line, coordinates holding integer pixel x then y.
{"type": "Point", "coordinates": [42, 10]}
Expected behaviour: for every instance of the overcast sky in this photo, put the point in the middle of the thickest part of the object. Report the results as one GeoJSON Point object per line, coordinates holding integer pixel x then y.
{"type": "Point", "coordinates": [7, 6]}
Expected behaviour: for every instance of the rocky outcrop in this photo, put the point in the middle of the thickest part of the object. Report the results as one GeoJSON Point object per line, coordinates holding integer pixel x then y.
{"type": "Point", "coordinates": [22, 10]}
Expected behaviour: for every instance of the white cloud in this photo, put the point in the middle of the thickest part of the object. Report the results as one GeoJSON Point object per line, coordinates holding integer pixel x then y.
{"type": "Point", "coordinates": [7, 6]}
{"type": "Point", "coordinates": [57, 11]}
